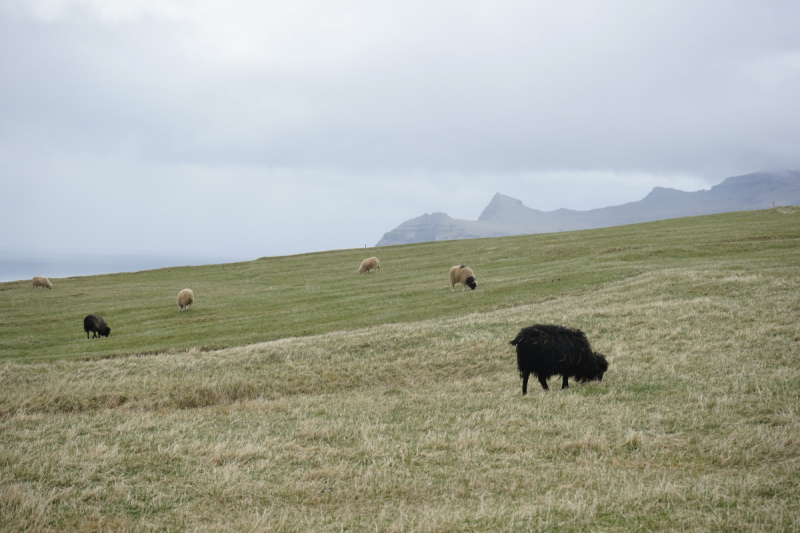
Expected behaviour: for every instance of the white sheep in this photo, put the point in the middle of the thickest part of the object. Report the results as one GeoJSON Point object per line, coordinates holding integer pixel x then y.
{"type": "Point", "coordinates": [369, 264]}
{"type": "Point", "coordinates": [462, 274]}
{"type": "Point", "coordinates": [185, 299]}
{"type": "Point", "coordinates": [39, 281]}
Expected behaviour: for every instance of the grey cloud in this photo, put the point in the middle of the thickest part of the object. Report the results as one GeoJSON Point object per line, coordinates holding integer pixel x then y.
{"type": "Point", "coordinates": [650, 89]}
{"type": "Point", "coordinates": [378, 113]}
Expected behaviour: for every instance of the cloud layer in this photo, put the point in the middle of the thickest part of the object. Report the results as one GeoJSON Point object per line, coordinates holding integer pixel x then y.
{"type": "Point", "coordinates": [261, 129]}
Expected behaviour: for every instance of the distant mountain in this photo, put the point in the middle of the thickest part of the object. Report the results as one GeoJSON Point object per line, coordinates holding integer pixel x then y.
{"type": "Point", "coordinates": [507, 216]}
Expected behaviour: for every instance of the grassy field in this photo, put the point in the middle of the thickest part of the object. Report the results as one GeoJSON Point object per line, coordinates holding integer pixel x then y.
{"type": "Point", "coordinates": [274, 298]}
{"type": "Point", "coordinates": [297, 395]}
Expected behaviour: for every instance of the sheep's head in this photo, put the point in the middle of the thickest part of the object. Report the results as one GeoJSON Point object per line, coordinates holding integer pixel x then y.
{"type": "Point", "coordinates": [106, 331]}
{"type": "Point", "coordinates": [601, 366]}
{"type": "Point", "coordinates": [471, 283]}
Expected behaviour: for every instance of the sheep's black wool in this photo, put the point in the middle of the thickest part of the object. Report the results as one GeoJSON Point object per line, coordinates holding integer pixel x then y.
{"type": "Point", "coordinates": [97, 325]}
{"type": "Point", "coordinates": [547, 350]}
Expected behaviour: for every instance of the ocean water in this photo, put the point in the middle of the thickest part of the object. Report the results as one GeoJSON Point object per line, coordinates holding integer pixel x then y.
{"type": "Point", "coordinates": [16, 266]}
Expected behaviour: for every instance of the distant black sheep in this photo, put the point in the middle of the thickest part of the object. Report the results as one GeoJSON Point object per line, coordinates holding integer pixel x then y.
{"type": "Point", "coordinates": [97, 325]}
{"type": "Point", "coordinates": [547, 350]}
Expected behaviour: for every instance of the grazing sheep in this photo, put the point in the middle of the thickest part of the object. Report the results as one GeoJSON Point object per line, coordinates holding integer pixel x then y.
{"type": "Point", "coordinates": [369, 264]}
{"type": "Point", "coordinates": [185, 299]}
{"type": "Point", "coordinates": [547, 350]}
{"type": "Point", "coordinates": [97, 325]}
{"type": "Point", "coordinates": [462, 274]}
{"type": "Point", "coordinates": [39, 281]}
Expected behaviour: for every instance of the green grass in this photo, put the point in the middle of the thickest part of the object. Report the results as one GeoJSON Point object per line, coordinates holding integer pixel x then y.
{"type": "Point", "coordinates": [273, 298]}
{"type": "Point", "coordinates": [299, 396]}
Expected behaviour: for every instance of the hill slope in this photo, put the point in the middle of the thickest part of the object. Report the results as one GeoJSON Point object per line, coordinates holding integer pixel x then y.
{"type": "Point", "coordinates": [273, 298]}
{"type": "Point", "coordinates": [416, 422]}
{"type": "Point", "coordinates": [507, 216]}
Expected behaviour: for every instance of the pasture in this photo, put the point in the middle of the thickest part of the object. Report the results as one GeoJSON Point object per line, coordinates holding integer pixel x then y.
{"type": "Point", "coordinates": [296, 395]}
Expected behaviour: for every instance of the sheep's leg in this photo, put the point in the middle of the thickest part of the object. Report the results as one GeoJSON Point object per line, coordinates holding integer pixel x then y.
{"type": "Point", "coordinates": [525, 376]}
{"type": "Point", "coordinates": [565, 385]}
{"type": "Point", "coordinates": [543, 381]}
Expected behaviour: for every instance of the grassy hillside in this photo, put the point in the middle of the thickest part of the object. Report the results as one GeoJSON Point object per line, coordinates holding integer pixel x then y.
{"type": "Point", "coordinates": [396, 406]}
{"type": "Point", "coordinates": [273, 298]}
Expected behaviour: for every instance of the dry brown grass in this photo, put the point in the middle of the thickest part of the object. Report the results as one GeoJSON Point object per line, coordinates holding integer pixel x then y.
{"type": "Point", "coordinates": [422, 427]}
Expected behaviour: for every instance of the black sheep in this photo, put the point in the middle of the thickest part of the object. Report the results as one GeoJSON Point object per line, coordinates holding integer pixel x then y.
{"type": "Point", "coordinates": [97, 325]}
{"type": "Point", "coordinates": [547, 350]}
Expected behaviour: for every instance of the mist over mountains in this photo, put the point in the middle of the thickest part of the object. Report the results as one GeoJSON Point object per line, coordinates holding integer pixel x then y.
{"type": "Point", "coordinates": [508, 216]}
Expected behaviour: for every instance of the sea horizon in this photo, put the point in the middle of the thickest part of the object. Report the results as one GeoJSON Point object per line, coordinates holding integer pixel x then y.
{"type": "Point", "coordinates": [23, 265]}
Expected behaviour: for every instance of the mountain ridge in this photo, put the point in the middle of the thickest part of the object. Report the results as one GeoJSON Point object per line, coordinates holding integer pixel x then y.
{"type": "Point", "coordinates": [505, 215]}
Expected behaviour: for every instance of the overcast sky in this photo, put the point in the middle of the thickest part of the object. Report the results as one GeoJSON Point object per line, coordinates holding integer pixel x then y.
{"type": "Point", "coordinates": [243, 129]}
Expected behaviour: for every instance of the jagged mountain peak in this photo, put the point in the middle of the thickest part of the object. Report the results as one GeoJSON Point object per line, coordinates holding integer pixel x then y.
{"type": "Point", "coordinates": [508, 216]}
{"type": "Point", "coordinates": [501, 206]}
{"type": "Point", "coordinates": [506, 210]}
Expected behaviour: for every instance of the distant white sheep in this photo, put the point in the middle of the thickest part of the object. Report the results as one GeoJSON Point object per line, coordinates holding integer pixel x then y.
{"type": "Point", "coordinates": [462, 274]}
{"type": "Point", "coordinates": [39, 281]}
{"type": "Point", "coordinates": [185, 299]}
{"type": "Point", "coordinates": [369, 264]}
